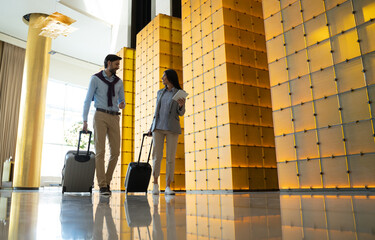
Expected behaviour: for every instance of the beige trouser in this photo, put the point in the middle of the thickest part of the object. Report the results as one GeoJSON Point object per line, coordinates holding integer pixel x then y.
{"type": "Point", "coordinates": [106, 125]}
{"type": "Point", "coordinates": [157, 154]}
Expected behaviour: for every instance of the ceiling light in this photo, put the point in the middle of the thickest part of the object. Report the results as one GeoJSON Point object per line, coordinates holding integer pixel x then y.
{"type": "Point", "coordinates": [57, 24]}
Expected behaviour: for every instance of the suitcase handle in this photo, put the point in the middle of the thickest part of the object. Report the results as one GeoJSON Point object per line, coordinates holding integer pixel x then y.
{"type": "Point", "coordinates": [140, 151]}
{"type": "Point", "coordinates": [83, 158]}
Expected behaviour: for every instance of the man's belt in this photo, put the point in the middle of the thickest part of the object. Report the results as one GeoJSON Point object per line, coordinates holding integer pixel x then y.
{"type": "Point", "coordinates": [107, 111]}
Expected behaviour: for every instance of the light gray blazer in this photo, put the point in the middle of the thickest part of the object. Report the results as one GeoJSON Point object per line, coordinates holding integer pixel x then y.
{"type": "Point", "coordinates": [174, 113]}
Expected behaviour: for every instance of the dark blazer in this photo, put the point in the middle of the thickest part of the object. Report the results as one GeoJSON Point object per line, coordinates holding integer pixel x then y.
{"type": "Point", "coordinates": [174, 113]}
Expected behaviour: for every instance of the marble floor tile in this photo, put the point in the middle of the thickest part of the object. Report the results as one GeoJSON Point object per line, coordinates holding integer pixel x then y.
{"type": "Point", "coordinates": [47, 214]}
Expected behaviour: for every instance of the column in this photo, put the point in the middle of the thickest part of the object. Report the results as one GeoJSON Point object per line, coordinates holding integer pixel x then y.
{"type": "Point", "coordinates": [158, 49]}
{"type": "Point", "coordinates": [229, 141]}
{"type": "Point", "coordinates": [33, 97]}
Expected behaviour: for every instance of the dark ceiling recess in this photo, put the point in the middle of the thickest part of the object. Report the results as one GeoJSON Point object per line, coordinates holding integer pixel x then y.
{"type": "Point", "coordinates": [176, 8]}
{"type": "Point", "coordinates": [141, 16]}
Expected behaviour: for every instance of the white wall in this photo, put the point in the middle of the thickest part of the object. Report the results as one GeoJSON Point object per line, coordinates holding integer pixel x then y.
{"type": "Point", "coordinates": [63, 68]}
{"type": "Point", "coordinates": [161, 6]}
{"type": "Point", "coordinates": [121, 31]}
{"type": "Point", "coordinates": [116, 14]}
{"type": "Point", "coordinates": [70, 70]}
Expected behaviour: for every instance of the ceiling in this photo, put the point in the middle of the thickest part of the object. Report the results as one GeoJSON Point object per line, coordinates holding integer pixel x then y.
{"type": "Point", "coordinates": [103, 25]}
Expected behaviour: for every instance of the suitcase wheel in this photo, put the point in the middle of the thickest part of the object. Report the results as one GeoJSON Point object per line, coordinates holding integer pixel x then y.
{"type": "Point", "coordinates": [63, 189]}
{"type": "Point", "coordinates": [90, 190]}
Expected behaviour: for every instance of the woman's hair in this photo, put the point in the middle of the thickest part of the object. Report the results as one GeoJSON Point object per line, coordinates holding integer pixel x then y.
{"type": "Point", "coordinates": [172, 78]}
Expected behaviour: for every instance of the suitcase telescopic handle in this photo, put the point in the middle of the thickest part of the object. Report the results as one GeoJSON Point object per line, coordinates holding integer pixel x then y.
{"type": "Point", "coordinates": [140, 150]}
{"type": "Point", "coordinates": [79, 141]}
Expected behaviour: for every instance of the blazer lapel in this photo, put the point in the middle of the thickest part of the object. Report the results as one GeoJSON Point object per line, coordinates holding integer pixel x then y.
{"type": "Point", "coordinates": [159, 102]}
{"type": "Point", "coordinates": [175, 90]}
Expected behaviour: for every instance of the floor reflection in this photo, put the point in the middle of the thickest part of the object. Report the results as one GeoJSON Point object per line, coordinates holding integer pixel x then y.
{"type": "Point", "coordinates": [104, 211]}
{"type": "Point", "coordinates": [328, 216]}
{"type": "Point", "coordinates": [165, 220]}
{"type": "Point", "coordinates": [4, 214]}
{"type": "Point", "coordinates": [47, 214]}
{"type": "Point", "coordinates": [76, 217]}
{"type": "Point", "coordinates": [233, 216]}
{"type": "Point", "coordinates": [138, 214]}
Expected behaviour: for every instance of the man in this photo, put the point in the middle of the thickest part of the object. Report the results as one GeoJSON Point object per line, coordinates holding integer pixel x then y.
{"type": "Point", "coordinates": [106, 90]}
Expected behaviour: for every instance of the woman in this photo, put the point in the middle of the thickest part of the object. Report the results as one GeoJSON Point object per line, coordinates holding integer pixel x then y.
{"type": "Point", "coordinates": [166, 124]}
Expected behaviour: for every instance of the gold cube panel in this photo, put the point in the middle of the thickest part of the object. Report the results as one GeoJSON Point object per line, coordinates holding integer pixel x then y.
{"type": "Point", "coordinates": [255, 157]}
{"type": "Point", "coordinates": [230, 74]}
{"type": "Point", "coordinates": [126, 156]}
{"type": "Point", "coordinates": [159, 45]}
{"type": "Point", "coordinates": [178, 184]}
{"type": "Point", "coordinates": [167, 22]}
{"type": "Point", "coordinates": [321, 90]}
{"type": "Point", "coordinates": [126, 72]}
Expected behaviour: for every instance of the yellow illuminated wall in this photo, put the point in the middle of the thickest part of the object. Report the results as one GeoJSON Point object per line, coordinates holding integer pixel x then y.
{"type": "Point", "coordinates": [127, 74]}
{"type": "Point", "coordinates": [229, 140]}
{"type": "Point", "coordinates": [322, 73]}
{"type": "Point", "coordinates": [158, 49]}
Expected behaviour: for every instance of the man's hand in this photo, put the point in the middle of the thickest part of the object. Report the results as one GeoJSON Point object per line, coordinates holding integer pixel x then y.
{"type": "Point", "coordinates": [84, 126]}
{"type": "Point", "coordinates": [121, 105]}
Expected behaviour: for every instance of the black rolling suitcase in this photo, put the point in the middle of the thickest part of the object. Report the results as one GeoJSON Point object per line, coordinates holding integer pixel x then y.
{"type": "Point", "coordinates": [79, 169]}
{"type": "Point", "coordinates": [138, 173]}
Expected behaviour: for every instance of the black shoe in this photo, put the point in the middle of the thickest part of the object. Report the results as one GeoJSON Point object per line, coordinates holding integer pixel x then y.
{"type": "Point", "coordinates": [109, 189]}
{"type": "Point", "coordinates": [104, 191]}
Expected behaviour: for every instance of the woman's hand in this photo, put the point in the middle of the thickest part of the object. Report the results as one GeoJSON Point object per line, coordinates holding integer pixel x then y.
{"type": "Point", "coordinates": [181, 102]}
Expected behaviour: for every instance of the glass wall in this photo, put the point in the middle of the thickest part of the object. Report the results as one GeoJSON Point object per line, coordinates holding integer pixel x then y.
{"type": "Point", "coordinates": [64, 106]}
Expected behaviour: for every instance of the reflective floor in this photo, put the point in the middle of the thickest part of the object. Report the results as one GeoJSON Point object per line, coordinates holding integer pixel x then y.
{"type": "Point", "coordinates": [47, 214]}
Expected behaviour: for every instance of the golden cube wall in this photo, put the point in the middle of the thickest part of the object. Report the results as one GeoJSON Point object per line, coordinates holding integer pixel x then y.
{"type": "Point", "coordinates": [229, 141]}
{"type": "Point", "coordinates": [158, 49]}
{"type": "Point", "coordinates": [321, 65]}
{"type": "Point", "coordinates": [127, 74]}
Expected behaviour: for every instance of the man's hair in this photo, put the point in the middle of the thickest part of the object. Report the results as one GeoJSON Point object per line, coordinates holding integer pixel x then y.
{"type": "Point", "coordinates": [112, 58]}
